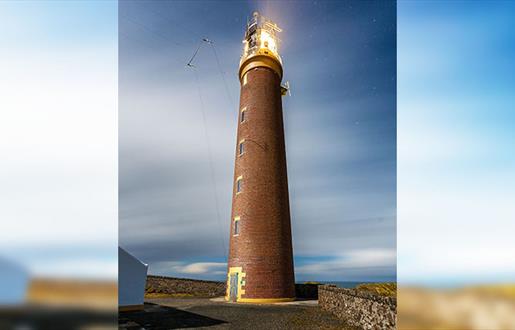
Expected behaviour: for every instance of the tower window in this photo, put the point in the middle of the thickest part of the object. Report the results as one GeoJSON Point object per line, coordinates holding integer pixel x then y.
{"type": "Point", "coordinates": [242, 115]}
{"type": "Point", "coordinates": [236, 226]}
{"type": "Point", "coordinates": [239, 184]}
{"type": "Point", "coordinates": [244, 79]}
{"type": "Point", "coordinates": [241, 147]}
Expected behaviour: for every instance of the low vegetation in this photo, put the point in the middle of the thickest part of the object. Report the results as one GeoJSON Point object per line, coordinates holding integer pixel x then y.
{"type": "Point", "coordinates": [156, 295]}
{"type": "Point", "coordinates": [388, 289]}
{"type": "Point", "coordinates": [73, 292]}
{"type": "Point", "coordinates": [496, 290]}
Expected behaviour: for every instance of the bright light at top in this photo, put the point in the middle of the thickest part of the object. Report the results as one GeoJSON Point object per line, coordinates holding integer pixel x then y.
{"type": "Point", "coordinates": [267, 41]}
{"type": "Point", "coordinates": [261, 38]}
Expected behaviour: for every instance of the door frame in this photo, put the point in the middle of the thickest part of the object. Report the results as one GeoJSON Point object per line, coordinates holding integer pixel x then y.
{"type": "Point", "coordinates": [233, 292]}
{"type": "Point", "coordinates": [238, 271]}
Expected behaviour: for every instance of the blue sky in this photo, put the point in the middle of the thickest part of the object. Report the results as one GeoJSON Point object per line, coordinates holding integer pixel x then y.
{"type": "Point", "coordinates": [58, 134]}
{"type": "Point", "coordinates": [340, 123]}
{"type": "Point", "coordinates": [455, 124]}
{"type": "Point", "coordinates": [455, 161]}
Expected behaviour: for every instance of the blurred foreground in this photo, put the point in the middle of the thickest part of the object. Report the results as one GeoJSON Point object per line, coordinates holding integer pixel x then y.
{"type": "Point", "coordinates": [88, 294]}
{"type": "Point", "coordinates": [479, 307]}
{"type": "Point", "coordinates": [64, 304]}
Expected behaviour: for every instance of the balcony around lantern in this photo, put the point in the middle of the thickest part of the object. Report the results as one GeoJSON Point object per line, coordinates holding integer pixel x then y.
{"type": "Point", "coordinates": [261, 39]}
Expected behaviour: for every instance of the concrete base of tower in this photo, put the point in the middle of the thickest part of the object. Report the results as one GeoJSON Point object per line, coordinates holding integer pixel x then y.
{"type": "Point", "coordinates": [264, 300]}
{"type": "Point", "coordinates": [261, 300]}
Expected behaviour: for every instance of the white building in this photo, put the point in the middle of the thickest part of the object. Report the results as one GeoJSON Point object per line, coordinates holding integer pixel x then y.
{"type": "Point", "coordinates": [132, 277]}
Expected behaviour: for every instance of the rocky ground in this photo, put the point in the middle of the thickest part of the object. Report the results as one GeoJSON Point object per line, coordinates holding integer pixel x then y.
{"type": "Point", "coordinates": [176, 313]}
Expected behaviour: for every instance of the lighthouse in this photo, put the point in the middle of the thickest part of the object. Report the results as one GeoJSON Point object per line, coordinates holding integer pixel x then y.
{"type": "Point", "coordinates": [260, 265]}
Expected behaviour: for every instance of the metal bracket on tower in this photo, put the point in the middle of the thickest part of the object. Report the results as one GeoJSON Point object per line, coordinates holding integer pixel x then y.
{"type": "Point", "coordinates": [285, 89]}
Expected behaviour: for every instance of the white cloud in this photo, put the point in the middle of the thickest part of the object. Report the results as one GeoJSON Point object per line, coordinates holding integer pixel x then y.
{"type": "Point", "coordinates": [58, 139]}
{"type": "Point", "coordinates": [339, 172]}
{"type": "Point", "coordinates": [203, 268]}
{"type": "Point", "coordinates": [197, 268]}
{"type": "Point", "coordinates": [365, 258]}
{"type": "Point", "coordinates": [58, 135]}
{"type": "Point", "coordinates": [92, 268]}
{"type": "Point", "coordinates": [455, 174]}
{"type": "Point", "coordinates": [463, 262]}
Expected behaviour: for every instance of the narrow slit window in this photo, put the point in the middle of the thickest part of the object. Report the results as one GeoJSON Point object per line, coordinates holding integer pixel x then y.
{"type": "Point", "coordinates": [236, 226]}
{"type": "Point", "coordinates": [244, 79]}
{"type": "Point", "coordinates": [239, 184]}
{"type": "Point", "coordinates": [242, 116]}
{"type": "Point", "coordinates": [241, 147]}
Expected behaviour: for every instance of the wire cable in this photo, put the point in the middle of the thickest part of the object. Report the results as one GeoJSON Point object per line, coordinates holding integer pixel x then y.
{"type": "Point", "coordinates": [210, 157]}
{"type": "Point", "coordinates": [194, 55]}
{"type": "Point", "coordinates": [222, 73]}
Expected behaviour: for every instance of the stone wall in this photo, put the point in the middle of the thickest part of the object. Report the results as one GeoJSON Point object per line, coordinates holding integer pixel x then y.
{"type": "Point", "coordinates": [199, 288]}
{"type": "Point", "coordinates": [182, 286]}
{"type": "Point", "coordinates": [359, 308]}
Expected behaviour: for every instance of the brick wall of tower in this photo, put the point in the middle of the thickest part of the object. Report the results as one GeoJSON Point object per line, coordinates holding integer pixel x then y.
{"type": "Point", "coordinates": [263, 247]}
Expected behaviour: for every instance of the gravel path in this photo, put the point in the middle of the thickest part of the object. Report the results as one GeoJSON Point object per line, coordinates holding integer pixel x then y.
{"type": "Point", "coordinates": [173, 313]}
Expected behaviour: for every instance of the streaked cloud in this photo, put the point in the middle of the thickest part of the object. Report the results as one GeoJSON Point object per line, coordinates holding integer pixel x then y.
{"type": "Point", "coordinates": [58, 136]}
{"type": "Point", "coordinates": [455, 124]}
{"type": "Point", "coordinates": [367, 258]}
{"type": "Point", "coordinates": [208, 269]}
{"type": "Point", "coordinates": [339, 126]}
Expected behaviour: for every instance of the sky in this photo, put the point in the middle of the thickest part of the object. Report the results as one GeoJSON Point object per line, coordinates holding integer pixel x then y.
{"type": "Point", "coordinates": [58, 177]}
{"type": "Point", "coordinates": [456, 190]}
{"type": "Point", "coordinates": [340, 131]}
{"type": "Point", "coordinates": [59, 122]}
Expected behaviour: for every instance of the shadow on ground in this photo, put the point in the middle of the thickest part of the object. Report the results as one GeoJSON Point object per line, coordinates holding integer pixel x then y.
{"type": "Point", "coordinates": [54, 318]}
{"type": "Point", "coordinates": [173, 313]}
{"type": "Point", "coordinates": [156, 317]}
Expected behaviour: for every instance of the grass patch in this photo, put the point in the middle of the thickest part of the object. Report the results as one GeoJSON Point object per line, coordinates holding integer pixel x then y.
{"type": "Point", "coordinates": [497, 290]}
{"type": "Point", "coordinates": [153, 295]}
{"type": "Point", "coordinates": [388, 289]}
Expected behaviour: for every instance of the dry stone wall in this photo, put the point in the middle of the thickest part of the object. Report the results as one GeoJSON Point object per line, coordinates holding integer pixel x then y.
{"type": "Point", "coordinates": [359, 308]}
{"type": "Point", "coordinates": [196, 288]}
{"type": "Point", "coordinates": [199, 288]}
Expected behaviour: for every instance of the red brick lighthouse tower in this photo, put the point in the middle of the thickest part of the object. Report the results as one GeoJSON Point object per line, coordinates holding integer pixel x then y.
{"type": "Point", "coordinates": [260, 267]}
